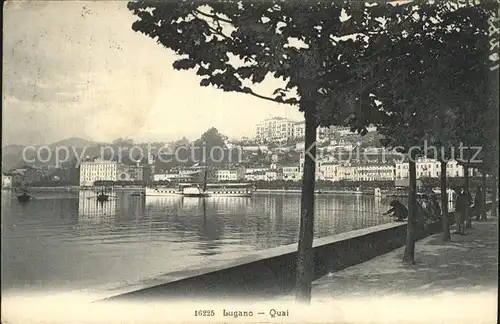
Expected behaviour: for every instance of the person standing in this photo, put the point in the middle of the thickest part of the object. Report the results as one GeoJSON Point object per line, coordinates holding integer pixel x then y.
{"type": "Point", "coordinates": [461, 206]}
{"type": "Point", "coordinates": [424, 213]}
{"type": "Point", "coordinates": [478, 203]}
{"type": "Point", "coordinates": [452, 197]}
{"type": "Point", "coordinates": [435, 209]}
{"type": "Point", "coordinates": [468, 209]}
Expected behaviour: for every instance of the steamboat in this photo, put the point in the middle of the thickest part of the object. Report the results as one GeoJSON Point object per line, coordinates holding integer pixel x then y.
{"type": "Point", "coordinates": [204, 190]}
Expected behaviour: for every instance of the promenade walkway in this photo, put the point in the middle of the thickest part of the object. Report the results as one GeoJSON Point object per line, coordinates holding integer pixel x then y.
{"type": "Point", "coordinates": [454, 282]}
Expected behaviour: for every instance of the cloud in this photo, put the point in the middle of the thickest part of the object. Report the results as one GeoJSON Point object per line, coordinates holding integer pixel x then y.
{"type": "Point", "coordinates": [77, 69]}
{"type": "Point", "coordinates": [64, 61]}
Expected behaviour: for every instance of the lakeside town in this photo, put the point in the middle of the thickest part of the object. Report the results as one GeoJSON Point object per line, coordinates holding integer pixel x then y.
{"type": "Point", "coordinates": [275, 155]}
{"type": "Point", "coordinates": [184, 161]}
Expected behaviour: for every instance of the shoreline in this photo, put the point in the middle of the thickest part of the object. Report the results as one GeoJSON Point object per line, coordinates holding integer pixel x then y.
{"type": "Point", "coordinates": [257, 191]}
{"type": "Point", "coordinates": [329, 191]}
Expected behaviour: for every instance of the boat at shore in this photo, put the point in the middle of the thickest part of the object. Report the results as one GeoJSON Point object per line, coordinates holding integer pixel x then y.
{"type": "Point", "coordinates": [194, 191]}
{"type": "Point", "coordinates": [162, 191]}
{"type": "Point", "coordinates": [24, 197]}
{"type": "Point", "coordinates": [210, 190]}
{"type": "Point", "coordinates": [230, 190]}
{"type": "Point", "coordinates": [197, 190]}
{"type": "Point", "coordinates": [23, 194]}
{"type": "Point", "coordinates": [102, 195]}
{"type": "Point", "coordinates": [204, 189]}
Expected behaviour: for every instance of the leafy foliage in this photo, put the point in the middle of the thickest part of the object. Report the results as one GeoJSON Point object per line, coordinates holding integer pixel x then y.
{"type": "Point", "coordinates": [235, 44]}
{"type": "Point", "coordinates": [428, 76]}
{"type": "Point", "coordinates": [342, 63]}
{"type": "Point", "coordinates": [211, 138]}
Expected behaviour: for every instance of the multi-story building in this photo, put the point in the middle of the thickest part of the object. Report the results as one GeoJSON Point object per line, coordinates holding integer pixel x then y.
{"type": "Point", "coordinates": [282, 129]}
{"type": "Point", "coordinates": [275, 129]}
{"type": "Point", "coordinates": [264, 174]}
{"type": "Point", "coordinates": [329, 171]}
{"type": "Point", "coordinates": [254, 170]}
{"type": "Point", "coordinates": [231, 174]}
{"type": "Point", "coordinates": [376, 172]}
{"type": "Point", "coordinates": [99, 170]}
{"type": "Point", "coordinates": [401, 170]}
{"type": "Point", "coordinates": [299, 130]}
{"type": "Point", "coordinates": [335, 171]}
{"type": "Point", "coordinates": [429, 168]}
{"type": "Point", "coordinates": [292, 172]}
{"type": "Point", "coordinates": [453, 170]}
{"type": "Point", "coordinates": [274, 175]}
{"type": "Point", "coordinates": [348, 172]}
{"type": "Point", "coordinates": [256, 176]}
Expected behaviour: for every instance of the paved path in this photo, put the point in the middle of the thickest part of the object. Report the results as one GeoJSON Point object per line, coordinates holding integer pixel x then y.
{"type": "Point", "coordinates": [454, 282]}
{"type": "Point", "coordinates": [467, 263]}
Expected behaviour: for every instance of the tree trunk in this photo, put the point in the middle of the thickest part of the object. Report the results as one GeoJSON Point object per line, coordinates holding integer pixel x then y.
{"type": "Point", "coordinates": [305, 256]}
{"type": "Point", "coordinates": [468, 219]}
{"type": "Point", "coordinates": [466, 176]}
{"type": "Point", "coordinates": [483, 202]}
{"type": "Point", "coordinates": [494, 202]}
{"type": "Point", "coordinates": [444, 204]}
{"type": "Point", "coordinates": [409, 255]}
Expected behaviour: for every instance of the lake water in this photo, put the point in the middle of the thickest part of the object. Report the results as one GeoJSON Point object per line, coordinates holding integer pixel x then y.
{"type": "Point", "coordinates": [68, 241]}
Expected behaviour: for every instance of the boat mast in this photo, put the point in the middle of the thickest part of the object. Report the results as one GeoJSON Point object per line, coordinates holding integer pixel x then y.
{"type": "Point", "coordinates": [205, 181]}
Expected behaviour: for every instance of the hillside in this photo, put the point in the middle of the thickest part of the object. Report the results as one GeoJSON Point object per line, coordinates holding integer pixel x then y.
{"type": "Point", "coordinates": [75, 142]}
{"type": "Point", "coordinates": [12, 155]}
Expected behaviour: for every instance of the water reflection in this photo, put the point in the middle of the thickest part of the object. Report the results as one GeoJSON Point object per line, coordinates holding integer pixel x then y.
{"type": "Point", "coordinates": [74, 241]}
{"type": "Point", "coordinates": [90, 209]}
{"type": "Point", "coordinates": [6, 199]}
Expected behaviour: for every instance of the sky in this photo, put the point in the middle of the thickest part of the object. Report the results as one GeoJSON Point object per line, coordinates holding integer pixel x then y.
{"type": "Point", "coordinates": [77, 69]}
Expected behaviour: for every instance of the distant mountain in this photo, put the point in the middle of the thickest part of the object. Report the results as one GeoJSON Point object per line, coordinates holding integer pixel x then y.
{"type": "Point", "coordinates": [12, 155]}
{"type": "Point", "coordinates": [75, 142]}
{"type": "Point", "coordinates": [12, 148]}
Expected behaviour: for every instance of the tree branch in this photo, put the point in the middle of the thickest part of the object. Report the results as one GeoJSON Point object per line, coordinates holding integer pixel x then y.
{"type": "Point", "coordinates": [219, 33]}
{"type": "Point", "coordinates": [215, 31]}
{"type": "Point", "coordinates": [214, 17]}
{"type": "Point", "coordinates": [250, 91]}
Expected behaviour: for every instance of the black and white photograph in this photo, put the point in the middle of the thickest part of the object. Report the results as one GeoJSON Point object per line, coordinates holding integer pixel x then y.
{"type": "Point", "coordinates": [251, 161]}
